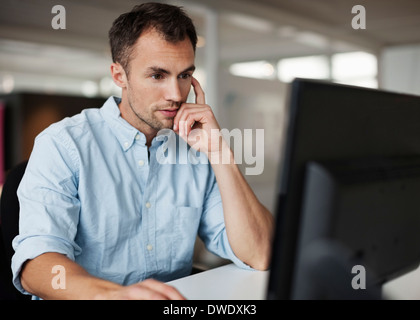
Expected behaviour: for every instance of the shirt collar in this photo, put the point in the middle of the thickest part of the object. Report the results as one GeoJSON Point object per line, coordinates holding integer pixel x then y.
{"type": "Point", "coordinates": [125, 133]}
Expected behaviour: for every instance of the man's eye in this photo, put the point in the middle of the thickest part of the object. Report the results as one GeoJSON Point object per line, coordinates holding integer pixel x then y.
{"type": "Point", "coordinates": [157, 76]}
{"type": "Point", "coordinates": [184, 76]}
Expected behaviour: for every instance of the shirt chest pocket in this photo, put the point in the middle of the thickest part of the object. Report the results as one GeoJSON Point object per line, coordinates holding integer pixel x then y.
{"type": "Point", "coordinates": [187, 220]}
{"type": "Point", "coordinates": [176, 230]}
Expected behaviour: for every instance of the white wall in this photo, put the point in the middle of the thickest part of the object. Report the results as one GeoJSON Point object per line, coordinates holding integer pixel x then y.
{"type": "Point", "coordinates": [256, 104]}
{"type": "Point", "coordinates": [406, 287]}
{"type": "Point", "coordinates": [400, 69]}
{"type": "Point", "coordinates": [400, 72]}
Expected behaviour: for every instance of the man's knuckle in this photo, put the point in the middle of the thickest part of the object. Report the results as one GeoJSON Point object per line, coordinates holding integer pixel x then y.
{"type": "Point", "coordinates": [170, 290]}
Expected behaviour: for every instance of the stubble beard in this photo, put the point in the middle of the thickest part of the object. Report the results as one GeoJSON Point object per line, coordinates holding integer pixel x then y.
{"type": "Point", "coordinates": [150, 119]}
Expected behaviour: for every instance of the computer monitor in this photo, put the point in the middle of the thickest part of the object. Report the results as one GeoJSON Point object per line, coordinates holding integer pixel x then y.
{"type": "Point", "coordinates": [348, 206]}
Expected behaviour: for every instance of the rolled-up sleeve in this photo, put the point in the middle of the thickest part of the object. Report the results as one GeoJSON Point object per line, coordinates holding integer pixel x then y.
{"type": "Point", "coordinates": [49, 204]}
{"type": "Point", "coordinates": [212, 229]}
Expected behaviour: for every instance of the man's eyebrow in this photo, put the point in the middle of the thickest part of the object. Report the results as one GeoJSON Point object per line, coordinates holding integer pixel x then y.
{"type": "Point", "coordinates": [191, 68]}
{"type": "Point", "coordinates": [155, 69]}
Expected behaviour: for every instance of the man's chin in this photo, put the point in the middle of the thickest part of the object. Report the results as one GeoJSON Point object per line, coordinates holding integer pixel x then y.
{"type": "Point", "coordinates": [167, 124]}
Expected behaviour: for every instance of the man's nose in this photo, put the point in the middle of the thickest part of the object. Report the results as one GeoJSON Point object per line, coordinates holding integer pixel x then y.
{"type": "Point", "coordinates": [173, 91]}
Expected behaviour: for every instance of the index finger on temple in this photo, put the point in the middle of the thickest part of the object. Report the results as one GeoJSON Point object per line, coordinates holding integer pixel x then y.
{"type": "Point", "coordinates": [199, 93]}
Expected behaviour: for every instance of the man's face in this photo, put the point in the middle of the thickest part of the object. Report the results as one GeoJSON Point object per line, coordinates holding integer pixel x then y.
{"type": "Point", "coordinates": [158, 82]}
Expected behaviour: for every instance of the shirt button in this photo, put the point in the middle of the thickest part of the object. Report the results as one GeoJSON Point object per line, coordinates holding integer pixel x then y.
{"type": "Point", "coordinates": [148, 205]}
{"type": "Point", "coordinates": [149, 247]}
{"type": "Point", "coordinates": [137, 136]}
{"type": "Point", "coordinates": [126, 144]}
{"type": "Point", "coordinates": [141, 163]}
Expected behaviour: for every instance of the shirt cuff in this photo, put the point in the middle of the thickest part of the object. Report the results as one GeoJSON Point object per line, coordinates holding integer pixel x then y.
{"type": "Point", "coordinates": [231, 255]}
{"type": "Point", "coordinates": [30, 248]}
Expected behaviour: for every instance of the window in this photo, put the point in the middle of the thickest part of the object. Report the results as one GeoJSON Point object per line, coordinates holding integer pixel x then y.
{"type": "Point", "coordinates": [353, 68]}
{"type": "Point", "coordinates": [254, 69]}
{"type": "Point", "coordinates": [313, 67]}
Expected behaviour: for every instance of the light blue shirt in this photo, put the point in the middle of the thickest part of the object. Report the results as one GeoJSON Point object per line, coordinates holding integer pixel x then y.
{"type": "Point", "coordinates": [92, 192]}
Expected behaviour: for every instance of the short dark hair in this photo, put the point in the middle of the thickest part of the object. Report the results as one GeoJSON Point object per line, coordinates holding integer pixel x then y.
{"type": "Point", "coordinates": [170, 21]}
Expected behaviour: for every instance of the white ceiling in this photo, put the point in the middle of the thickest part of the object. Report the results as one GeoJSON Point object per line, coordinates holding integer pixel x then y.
{"type": "Point", "coordinates": [248, 30]}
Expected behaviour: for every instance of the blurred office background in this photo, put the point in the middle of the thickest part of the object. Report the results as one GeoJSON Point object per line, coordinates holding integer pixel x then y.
{"type": "Point", "coordinates": [248, 52]}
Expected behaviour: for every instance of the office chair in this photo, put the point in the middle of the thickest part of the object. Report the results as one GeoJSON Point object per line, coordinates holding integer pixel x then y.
{"type": "Point", "coordinates": [9, 228]}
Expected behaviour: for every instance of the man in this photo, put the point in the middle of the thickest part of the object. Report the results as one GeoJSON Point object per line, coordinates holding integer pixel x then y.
{"type": "Point", "coordinates": [99, 201]}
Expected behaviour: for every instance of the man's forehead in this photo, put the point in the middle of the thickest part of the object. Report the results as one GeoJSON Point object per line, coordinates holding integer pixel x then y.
{"type": "Point", "coordinates": [153, 37]}
{"type": "Point", "coordinates": [171, 59]}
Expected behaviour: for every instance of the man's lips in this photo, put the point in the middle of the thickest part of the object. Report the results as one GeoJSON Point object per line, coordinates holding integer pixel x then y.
{"type": "Point", "coordinates": [170, 113]}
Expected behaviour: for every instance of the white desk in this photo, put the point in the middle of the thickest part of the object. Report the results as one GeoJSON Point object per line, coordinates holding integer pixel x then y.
{"type": "Point", "coordinates": [224, 283]}
{"type": "Point", "coordinates": [232, 283]}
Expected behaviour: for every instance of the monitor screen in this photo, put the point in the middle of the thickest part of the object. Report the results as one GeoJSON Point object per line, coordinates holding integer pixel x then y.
{"type": "Point", "coordinates": [348, 210]}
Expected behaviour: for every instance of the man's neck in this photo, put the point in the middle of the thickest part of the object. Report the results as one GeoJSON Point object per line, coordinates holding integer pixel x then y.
{"type": "Point", "coordinates": [137, 123]}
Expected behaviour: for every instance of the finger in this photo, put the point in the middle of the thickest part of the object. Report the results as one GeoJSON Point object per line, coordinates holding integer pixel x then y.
{"type": "Point", "coordinates": [142, 292]}
{"type": "Point", "coordinates": [199, 93]}
{"type": "Point", "coordinates": [185, 127]}
{"type": "Point", "coordinates": [199, 99]}
{"type": "Point", "coordinates": [178, 117]}
{"type": "Point", "coordinates": [163, 289]}
{"type": "Point", "coordinates": [185, 112]}
{"type": "Point", "coordinates": [190, 119]}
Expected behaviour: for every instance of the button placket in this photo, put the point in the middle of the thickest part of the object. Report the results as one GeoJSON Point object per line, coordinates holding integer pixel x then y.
{"type": "Point", "coordinates": [149, 205]}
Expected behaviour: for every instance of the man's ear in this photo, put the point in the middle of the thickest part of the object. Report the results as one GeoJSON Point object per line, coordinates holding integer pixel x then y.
{"type": "Point", "coordinates": [118, 75]}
